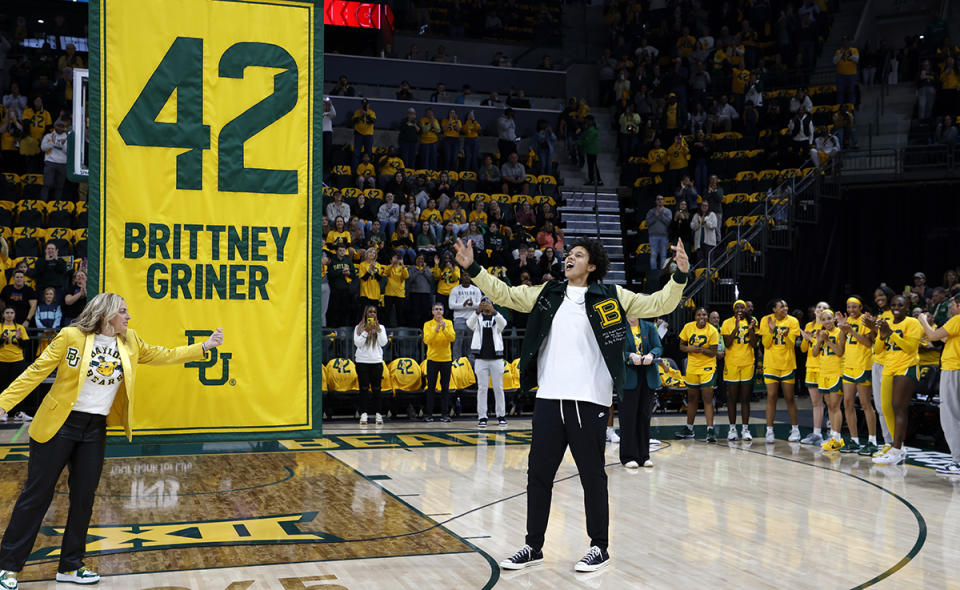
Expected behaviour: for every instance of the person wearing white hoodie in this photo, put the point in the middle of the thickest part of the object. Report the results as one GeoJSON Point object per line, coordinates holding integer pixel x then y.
{"type": "Point", "coordinates": [369, 337]}
{"type": "Point", "coordinates": [487, 348]}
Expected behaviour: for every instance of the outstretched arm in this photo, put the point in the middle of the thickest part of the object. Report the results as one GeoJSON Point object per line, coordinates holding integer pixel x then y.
{"type": "Point", "coordinates": [520, 298]}
{"type": "Point", "coordinates": [663, 301]}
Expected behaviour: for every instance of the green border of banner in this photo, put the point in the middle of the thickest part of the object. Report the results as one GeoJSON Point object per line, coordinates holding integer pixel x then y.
{"type": "Point", "coordinates": [96, 226]}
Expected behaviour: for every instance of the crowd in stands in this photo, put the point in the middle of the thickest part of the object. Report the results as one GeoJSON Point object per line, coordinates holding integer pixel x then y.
{"type": "Point", "coordinates": [505, 20]}
{"type": "Point", "coordinates": [42, 214]}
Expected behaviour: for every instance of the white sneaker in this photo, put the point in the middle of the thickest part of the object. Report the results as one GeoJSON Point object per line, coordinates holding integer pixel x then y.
{"type": "Point", "coordinates": [654, 442]}
{"type": "Point", "coordinates": [951, 469]}
{"type": "Point", "coordinates": [379, 419]}
{"type": "Point", "coordinates": [8, 580]}
{"type": "Point", "coordinates": [770, 439]}
{"type": "Point", "coordinates": [631, 465]}
{"type": "Point", "coordinates": [883, 450]}
{"type": "Point", "coordinates": [612, 435]}
{"type": "Point", "coordinates": [732, 434]}
{"type": "Point", "coordinates": [363, 419]}
{"type": "Point", "coordinates": [812, 439]}
{"type": "Point", "coordinates": [892, 457]}
{"type": "Point", "coordinates": [794, 435]}
{"type": "Point", "coordinates": [746, 434]}
{"type": "Point", "coordinates": [80, 576]}
{"type": "Point", "coordinates": [22, 417]}
{"type": "Point", "coordinates": [3, 418]}
{"type": "Point", "coordinates": [648, 463]}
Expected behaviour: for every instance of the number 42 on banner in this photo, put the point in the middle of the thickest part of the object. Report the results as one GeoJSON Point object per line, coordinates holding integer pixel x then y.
{"type": "Point", "coordinates": [181, 70]}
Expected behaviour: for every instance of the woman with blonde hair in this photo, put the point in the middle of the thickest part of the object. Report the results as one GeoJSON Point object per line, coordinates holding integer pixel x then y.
{"type": "Point", "coordinates": [96, 360]}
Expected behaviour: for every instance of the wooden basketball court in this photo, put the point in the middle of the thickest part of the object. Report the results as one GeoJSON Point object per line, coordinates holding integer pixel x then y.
{"type": "Point", "coordinates": [412, 505]}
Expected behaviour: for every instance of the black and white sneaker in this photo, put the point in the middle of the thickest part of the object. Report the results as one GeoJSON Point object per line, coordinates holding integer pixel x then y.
{"type": "Point", "coordinates": [482, 423]}
{"type": "Point", "coordinates": [595, 559]}
{"type": "Point", "coordinates": [502, 420]}
{"type": "Point", "coordinates": [526, 557]}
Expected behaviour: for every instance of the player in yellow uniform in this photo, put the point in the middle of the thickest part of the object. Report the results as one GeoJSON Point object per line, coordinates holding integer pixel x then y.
{"type": "Point", "coordinates": [949, 380]}
{"type": "Point", "coordinates": [882, 297]}
{"type": "Point", "coordinates": [857, 363]}
{"type": "Point", "coordinates": [812, 377]}
{"type": "Point", "coordinates": [740, 339]}
{"type": "Point", "coordinates": [829, 348]}
{"type": "Point", "coordinates": [778, 333]}
{"type": "Point", "coordinates": [700, 340]}
{"type": "Point", "coordinates": [900, 340]}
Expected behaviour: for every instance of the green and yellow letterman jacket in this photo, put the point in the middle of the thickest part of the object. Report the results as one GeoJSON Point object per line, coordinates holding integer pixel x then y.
{"type": "Point", "coordinates": [607, 308]}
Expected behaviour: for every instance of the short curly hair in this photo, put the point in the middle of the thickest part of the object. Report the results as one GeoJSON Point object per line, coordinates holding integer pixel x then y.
{"type": "Point", "coordinates": [597, 256]}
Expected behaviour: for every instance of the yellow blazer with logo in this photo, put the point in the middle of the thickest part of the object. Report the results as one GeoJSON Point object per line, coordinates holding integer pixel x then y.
{"type": "Point", "coordinates": [69, 353]}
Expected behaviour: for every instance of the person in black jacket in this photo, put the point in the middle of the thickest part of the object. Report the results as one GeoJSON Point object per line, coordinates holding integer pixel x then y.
{"type": "Point", "coordinates": [524, 263]}
{"type": "Point", "coordinates": [51, 271]}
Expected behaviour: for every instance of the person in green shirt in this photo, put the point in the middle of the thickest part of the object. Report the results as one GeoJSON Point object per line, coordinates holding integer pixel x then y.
{"type": "Point", "coordinates": [589, 140]}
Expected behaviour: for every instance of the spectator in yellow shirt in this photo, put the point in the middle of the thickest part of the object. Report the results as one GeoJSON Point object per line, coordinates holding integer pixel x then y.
{"type": "Point", "coordinates": [471, 147]}
{"type": "Point", "coordinates": [363, 122]}
{"type": "Point", "coordinates": [366, 175]}
{"type": "Point", "coordinates": [370, 272]}
{"type": "Point", "coordinates": [678, 160]}
{"type": "Point", "coordinates": [438, 335]}
{"type": "Point", "coordinates": [429, 135]}
{"type": "Point", "coordinates": [37, 119]}
{"type": "Point", "coordinates": [395, 294]}
{"type": "Point", "coordinates": [451, 140]}
{"type": "Point", "coordinates": [846, 59]}
{"type": "Point", "coordinates": [949, 85]}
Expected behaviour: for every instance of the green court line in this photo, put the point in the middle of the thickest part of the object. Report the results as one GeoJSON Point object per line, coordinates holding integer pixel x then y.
{"type": "Point", "coordinates": [921, 522]}
{"type": "Point", "coordinates": [17, 435]}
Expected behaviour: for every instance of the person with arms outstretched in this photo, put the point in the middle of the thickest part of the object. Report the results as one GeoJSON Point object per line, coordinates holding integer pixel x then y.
{"type": "Point", "coordinates": [573, 355]}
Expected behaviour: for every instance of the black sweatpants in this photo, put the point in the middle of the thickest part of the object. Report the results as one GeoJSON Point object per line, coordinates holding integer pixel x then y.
{"type": "Point", "coordinates": [582, 426]}
{"type": "Point", "coordinates": [636, 408]}
{"type": "Point", "coordinates": [369, 377]}
{"type": "Point", "coordinates": [79, 444]}
{"type": "Point", "coordinates": [439, 369]}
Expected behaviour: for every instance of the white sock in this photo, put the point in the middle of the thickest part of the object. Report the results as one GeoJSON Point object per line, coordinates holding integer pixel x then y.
{"type": "Point", "coordinates": [744, 428]}
{"type": "Point", "coordinates": [872, 439]}
{"type": "Point", "coordinates": [817, 432]}
{"type": "Point", "coordinates": [609, 428]}
{"type": "Point", "coordinates": [769, 429]}
{"type": "Point", "coordinates": [836, 435]}
{"type": "Point", "coordinates": [795, 428]}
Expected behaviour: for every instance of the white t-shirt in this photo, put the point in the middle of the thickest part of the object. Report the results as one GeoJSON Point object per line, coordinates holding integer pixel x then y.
{"type": "Point", "coordinates": [570, 365]}
{"type": "Point", "coordinates": [103, 377]}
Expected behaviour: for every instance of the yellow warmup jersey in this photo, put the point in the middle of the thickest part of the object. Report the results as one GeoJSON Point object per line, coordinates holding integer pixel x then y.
{"type": "Point", "coordinates": [901, 346]}
{"type": "Point", "coordinates": [857, 357]}
{"type": "Point", "coordinates": [779, 347]}
{"type": "Point", "coordinates": [880, 354]}
{"type": "Point", "coordinates": [406, 374]}
{"type": "Point", "coordinates": [830, 362]}
{"type": "Point", "coordinates": [370, 287]}
{"type": "Point", "coordinates": [511, 377]}
{"type": "Point", "coordinates": [704, 337]}
{"type": "Point", "coordinates": [447, 279]}
{"type": "Point", "coordinates": [396, 281]}
{"type": "Point", "coordinates": [10, 352]}
{"type": "Point", "coordinates": [342, 375]}
{"type": "Point", "coordinates": [461, 374]}
{"type": "Point", "coordinates": [807, 347]}
{"type": "Point", "coordinates": [950, 359]}
{"type": "Point", "coordinates": [740, 353]}
{"type": "Point", "coordinates": [438, 343]}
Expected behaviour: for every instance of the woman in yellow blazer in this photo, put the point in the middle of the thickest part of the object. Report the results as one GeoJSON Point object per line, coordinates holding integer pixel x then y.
{"type": "Point", "coordinates": [96, 359]}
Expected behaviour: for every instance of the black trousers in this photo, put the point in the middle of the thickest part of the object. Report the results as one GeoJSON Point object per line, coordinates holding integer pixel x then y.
{"type": "Point", "coordinates": [79, 444]}
{"type": "Point", "coordinates": [593, 172]}
{"type": "Point", "coordinates": [369, 376]}
{"type": "Point", "coordinates": [8, 373]}
{"type": "Point", "coordinates": [636, 408]}
{"type": "Point", "coordinates": [439, 369]}
{"type": "Point", "coordinates": [582, 426]}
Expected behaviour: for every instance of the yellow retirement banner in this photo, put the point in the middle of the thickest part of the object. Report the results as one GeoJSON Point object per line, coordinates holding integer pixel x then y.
{"type": "Point", "coordinates": [205, 128]}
